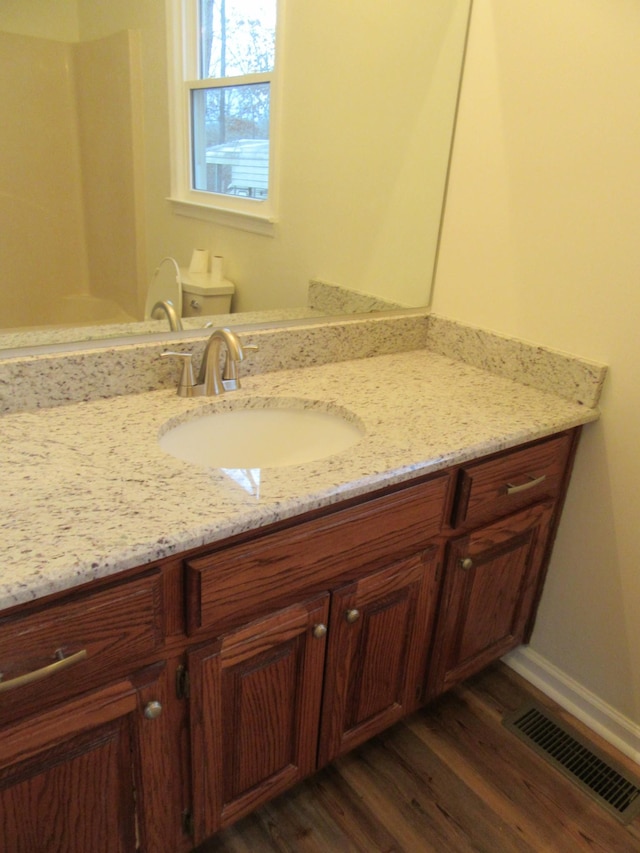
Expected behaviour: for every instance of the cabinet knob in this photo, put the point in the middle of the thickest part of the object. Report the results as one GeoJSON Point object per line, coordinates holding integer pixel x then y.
{"type": "Point", "coordinates": [466, 563]}
{"type": "Point", "coordinates": [319, 631]}
{"type": "Point", "coordinates": [152, 710]}
{"type": "Point", "coordinates": [352, 616]}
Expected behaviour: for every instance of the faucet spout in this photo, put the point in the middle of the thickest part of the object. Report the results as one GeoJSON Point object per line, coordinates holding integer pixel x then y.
{"type": "Point", "coordinates": [210, 376]}
{"type": "Point", "coordinates": [166, 305]}
{"type": "Point", "coordinates": [211, 379]}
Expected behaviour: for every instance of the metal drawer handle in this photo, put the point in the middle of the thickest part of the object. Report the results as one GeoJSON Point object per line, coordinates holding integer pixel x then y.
{"type": "Point", "coordinates": [44, 672]}
{"type": "Point", "coordinates": [530, 484]}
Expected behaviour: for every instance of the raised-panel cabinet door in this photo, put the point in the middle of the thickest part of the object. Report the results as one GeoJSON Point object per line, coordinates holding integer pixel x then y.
{"type": "Point", "coordinates": [379, 634]}
{"type": "Point", "coordinates": [255, 706]}
{"type": "Point", "coordinates": [66, 779]}
{"type": "Point", "coordinates": [490, 584]}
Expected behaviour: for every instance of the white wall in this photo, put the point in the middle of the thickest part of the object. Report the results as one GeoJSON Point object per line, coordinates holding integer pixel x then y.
{"type": "Point", "coordinates": [542, 241]}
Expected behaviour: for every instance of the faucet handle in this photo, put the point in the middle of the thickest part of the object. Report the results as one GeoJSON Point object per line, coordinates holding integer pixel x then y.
{"type": "Point", "coordinates": [187, 381]}
{"type": "Point", "coordinates": [230, 377]}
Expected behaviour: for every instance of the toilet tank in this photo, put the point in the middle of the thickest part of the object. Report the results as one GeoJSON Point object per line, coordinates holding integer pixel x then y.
{"type": "Point", "coordinates": [203, 294]}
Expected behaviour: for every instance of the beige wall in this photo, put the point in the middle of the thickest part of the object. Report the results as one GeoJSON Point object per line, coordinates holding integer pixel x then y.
{"type": "Point", "coordinates": [42, 246]}
{"type": "Point", "coordinates": [109, 111]}
{"type": "Point", "coordinates": [542, 241]}
{"type": "Point", "coordinates": [71, 165]}
{"type": "Point", "coordinates": [41, 18]}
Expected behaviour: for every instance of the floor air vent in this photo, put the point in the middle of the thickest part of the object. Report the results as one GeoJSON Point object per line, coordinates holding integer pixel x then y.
{"type": "Point", "coordinates": [608, 784]}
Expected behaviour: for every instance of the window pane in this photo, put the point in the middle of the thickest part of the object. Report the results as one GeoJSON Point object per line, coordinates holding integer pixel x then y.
{"type": "Point", "coordinates": [236, 37]}
{"type": "Point", "coordinates": [231, 140]}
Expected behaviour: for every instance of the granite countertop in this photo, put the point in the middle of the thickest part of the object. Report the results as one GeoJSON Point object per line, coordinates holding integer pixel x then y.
{"type": "Point", "coordinates": [87, 491]}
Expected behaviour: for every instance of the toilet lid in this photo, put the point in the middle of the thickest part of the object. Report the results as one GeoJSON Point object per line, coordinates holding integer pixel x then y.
{"type": "Point", "coordinates": [166, 285]}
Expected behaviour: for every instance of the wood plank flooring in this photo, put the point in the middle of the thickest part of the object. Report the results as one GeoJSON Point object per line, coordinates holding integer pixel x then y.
{"type": "Point", "coordinates": [448, 779]}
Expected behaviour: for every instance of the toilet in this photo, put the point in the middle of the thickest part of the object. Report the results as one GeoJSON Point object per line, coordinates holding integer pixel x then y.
{"type": "Point", "coordinates": [166, 286]}
{"type": "Point", "coordinates": [204, 294]}
{"type": "Point", "coordinates": [192, 294]}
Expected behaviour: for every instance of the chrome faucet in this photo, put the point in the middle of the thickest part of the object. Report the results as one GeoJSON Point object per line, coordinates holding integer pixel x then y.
{"type": "Point", "coordinates": [211, 379]}
{"type": "Point", "coordinates": [210, 376]}
{"type": "Point", "coordinates": [166, 305]}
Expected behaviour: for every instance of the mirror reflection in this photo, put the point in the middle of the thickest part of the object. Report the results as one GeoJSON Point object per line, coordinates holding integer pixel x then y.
{"type": "Point", "coordinates": [368, 100]}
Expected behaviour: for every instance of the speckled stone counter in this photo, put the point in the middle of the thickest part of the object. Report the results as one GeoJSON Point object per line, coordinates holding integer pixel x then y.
{"type": "Point", "coordinates": [87, 492]}
{"type": "Point", "coordinates": [42, 380]}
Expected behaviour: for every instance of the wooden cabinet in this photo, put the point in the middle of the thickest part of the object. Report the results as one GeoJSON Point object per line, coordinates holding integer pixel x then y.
{"type": "Point", "coordinates": [276, 698]}
{"type": "Point", "coordinates": [255, 699]}
{"type": "Point", "coordinates": [491, 577]}
{"type": "Point", "coordinates": [498, 486]}
{"type": "Point", "coordinates": [83, 733]}
{"type": "Point", "coordinates": [231, 585]}
{"type": "Point", "coordinates": [496, 556]}
{"type": "Point", "coordinates": [72, 778]}
{"type": "Point", "coordinates": [66, 779]}
{"type": "Point", "coordinates": [379, 635]}
{"type": "Point", "coordinates": [300, 641]}
{"type": "Point", "coordinates": [81, 642]}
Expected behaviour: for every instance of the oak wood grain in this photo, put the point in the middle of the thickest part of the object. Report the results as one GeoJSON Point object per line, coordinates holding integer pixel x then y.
{"type": "Point", "coordinates": [483, 489]}
{"type": "Point", "coordinates": [159, 747]}
{"type": "Point", "coordinates": [255, 713]}
{"type": "Point", "coordinates": [448, 779]}
{"type": "Point", "coordinates": [376, 664]}
{"type": "Point", "coordinates": [278, 567]}
{"type": "Point", "coordinates": [486, 605]}
{"type": "Point", "coordinates": [117, 627]}
{"type": "Point", "coordinates": [70, 787]}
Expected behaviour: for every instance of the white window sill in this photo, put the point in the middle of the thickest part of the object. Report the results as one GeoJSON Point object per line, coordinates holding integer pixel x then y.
{"type": "Point", "coordinates": [254, 222]}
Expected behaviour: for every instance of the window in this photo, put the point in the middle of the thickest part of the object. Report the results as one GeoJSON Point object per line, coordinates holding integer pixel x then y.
{"type": "Point", "coordinates": [223, 98]}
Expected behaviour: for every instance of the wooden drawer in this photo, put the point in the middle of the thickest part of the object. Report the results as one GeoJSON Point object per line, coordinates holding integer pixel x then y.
{"type": "Point", "coordinates": [488, 490]}
{"type": "Point", "coordinates": [107, 631]}
{"type": "Point", "coordinates": [239, 583]}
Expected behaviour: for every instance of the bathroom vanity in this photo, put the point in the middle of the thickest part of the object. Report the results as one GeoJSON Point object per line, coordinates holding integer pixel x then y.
{"type": "Point", "coordinates": [278, 622]}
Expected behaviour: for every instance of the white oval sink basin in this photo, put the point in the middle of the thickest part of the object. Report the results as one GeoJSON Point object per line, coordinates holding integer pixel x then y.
{"type": "Point", "coordinates": [260, 437]}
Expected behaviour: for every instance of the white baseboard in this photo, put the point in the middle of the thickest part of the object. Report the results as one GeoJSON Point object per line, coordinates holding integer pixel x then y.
{"type": "Point", "coordinates": [577, 700]}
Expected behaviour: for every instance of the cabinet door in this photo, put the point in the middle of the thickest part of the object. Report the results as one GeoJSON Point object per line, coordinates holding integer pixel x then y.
{"type": "Point", "coordinates": [379, 634]}
{"type": "Point", "coordinates": [490, 584]}
{"type": "Point", "coordinates": [255, 699]}
{"type": "Point", "coordinates": [159, 748]}
{"type": "Point", "coordinates": [66, 782]}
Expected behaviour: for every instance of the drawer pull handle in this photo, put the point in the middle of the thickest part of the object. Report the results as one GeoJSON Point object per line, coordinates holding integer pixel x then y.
{"type": "Point", "coordinates": [531, 483]}
{"type": "Point", "coordinates": [44, 671]}
{"type": "Point", "coordinates": [319, 631]}
{"type": "Point", "coordinates": [352, 616]}
{"type": "Point", "coordinates": [466, 563]}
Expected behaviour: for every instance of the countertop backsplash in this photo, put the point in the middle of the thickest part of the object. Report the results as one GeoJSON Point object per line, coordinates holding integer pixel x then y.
{"type": "Point", "coordinates": [46, 380]}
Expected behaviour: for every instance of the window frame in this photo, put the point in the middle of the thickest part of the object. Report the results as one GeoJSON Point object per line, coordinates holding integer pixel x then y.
{"type": "Point", "coordinates": [257, 215]}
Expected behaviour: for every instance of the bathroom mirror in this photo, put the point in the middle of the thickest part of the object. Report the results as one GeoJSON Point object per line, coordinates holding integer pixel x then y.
{"type": "Point", "coordinates": [368, 109]}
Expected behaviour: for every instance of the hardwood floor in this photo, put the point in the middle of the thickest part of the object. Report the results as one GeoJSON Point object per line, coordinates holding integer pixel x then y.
{"type": "Point", "coordinates": [448, 779]}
